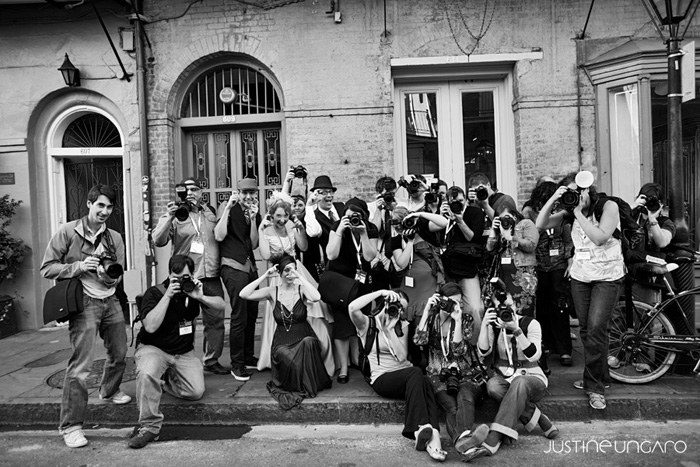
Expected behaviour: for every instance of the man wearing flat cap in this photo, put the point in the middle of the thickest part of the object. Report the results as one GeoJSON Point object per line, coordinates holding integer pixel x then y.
{"type": "Point", "coordinates": [237, 234]}
{"type": "Point", "coordinates": [193, 235]}
{"type": "Point", "coordinates": [320, 218]}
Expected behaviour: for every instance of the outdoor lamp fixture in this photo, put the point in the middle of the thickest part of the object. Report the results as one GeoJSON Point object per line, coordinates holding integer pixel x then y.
{"type": "Point", "coordinates": [71, 75]}
{"type": "Point", "coordinates": [671, 13]}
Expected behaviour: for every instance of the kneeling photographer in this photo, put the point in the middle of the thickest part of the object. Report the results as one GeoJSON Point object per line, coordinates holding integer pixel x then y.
{"type": "Point", "coordinates": [518, 383]}
{"type": "Point", "coordinates": [165, 346]}
{"type": "Point", "coordinates": [454, 368]}
{"type": "Point", "coordinates": [384, 333]}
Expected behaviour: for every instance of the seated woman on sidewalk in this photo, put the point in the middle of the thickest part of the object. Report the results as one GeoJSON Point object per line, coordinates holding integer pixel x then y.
{"type": "Point", "coordinates": [453, 368]}
{"type": "Point", "coordinates": [393, 376]}
{"type": "Point", "coordinates": [519, 382]}
{"type": "Point", "coordinates": [297, 360]}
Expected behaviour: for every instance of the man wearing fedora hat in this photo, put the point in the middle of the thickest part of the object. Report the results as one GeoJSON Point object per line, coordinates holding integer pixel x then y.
{"type": "Point", "coordinates": [321, 214]}
{"type": "Point", "coordinates": [194, 237]}
{"type": "Point", "coordinates": [237, 234]}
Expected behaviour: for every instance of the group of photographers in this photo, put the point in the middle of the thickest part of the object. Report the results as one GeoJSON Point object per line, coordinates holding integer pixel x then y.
{"type": "Point", "coordinates": [446, 277]}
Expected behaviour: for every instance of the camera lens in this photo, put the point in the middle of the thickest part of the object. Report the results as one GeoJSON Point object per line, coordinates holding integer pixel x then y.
{"type": "Point", "coordinates": [389, 198]}
{"type": "Point", "coordinates": [506, 222]}
{"type": "Point", "coordinates": [300, 172]}
{"type": "Point", "coordinates": [482, 193]}
{"type": "Point", "coordinates": [504, 313]}
{"type": "Point", "coordinates": [570, 198]}
{"type": "Point", "coordinates": [114, 270]}
{"type": "Point", "coordinates": [183, 212]}
{"type": "Point", "coordinates": [393, 310]}
{"type": "Point", "coordinates": [355, 220]}
{"type": "Point", "coordinates": [456, 207]}
{"type": "Point", "coordinates": [414, 186]}
{"type": "Point", "coordinates": [653, 204]}
{"type": "Point", "coordinates": [186, 284]}
{"type": "Point", "coordinates": [408, 222]}
{"type": "Point", "coordinates": [431, 198]}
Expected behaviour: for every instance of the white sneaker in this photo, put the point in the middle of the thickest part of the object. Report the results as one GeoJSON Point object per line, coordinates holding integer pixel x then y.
{"type": "Point", "coordinates": [613, 362]}
{"type": "Point", "coordinates": [118, 398]}
{"type": "Point", "coordinates": [75, 438]}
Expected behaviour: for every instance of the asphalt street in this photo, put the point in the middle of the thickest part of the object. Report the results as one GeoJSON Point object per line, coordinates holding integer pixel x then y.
{"type": "Point", "coordinates": [598, 443]}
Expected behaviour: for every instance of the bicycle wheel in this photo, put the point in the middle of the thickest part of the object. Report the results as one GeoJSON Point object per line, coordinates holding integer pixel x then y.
{"type": "Point", "coordinates": [631, 357]}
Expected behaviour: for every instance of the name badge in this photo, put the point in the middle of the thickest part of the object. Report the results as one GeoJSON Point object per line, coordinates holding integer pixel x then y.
{"type": "Point", "coordinates": [409, 281]}
{"type": "Point", "coordinates": [361, 276]}
{"type": "Point", "coordinates": [506, 260]}
{"type": "Point", "coordinates": [583, 254]}
{"type": "Point", "coordinates": [197, 247]}
{"type": "Point", "coordinates": [185, 328]}
{"type": "Point", "coordinates": [554, 252]}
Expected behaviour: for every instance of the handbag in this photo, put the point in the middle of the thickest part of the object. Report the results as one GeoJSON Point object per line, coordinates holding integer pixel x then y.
{"type": "Point", "coordinates": [463, 259]}
{"type": "Point", "coordinates": [338, 290]}
{"type": "Point", "coordinates": [63, 300]}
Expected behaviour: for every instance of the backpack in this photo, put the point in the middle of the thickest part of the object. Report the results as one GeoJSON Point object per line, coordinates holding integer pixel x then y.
{"type": "Point", "coordinates": [631, 235]}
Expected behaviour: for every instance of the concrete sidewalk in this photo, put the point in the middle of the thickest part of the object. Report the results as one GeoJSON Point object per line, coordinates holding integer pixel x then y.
{"type": "Point", "coordinates": [33, 362]}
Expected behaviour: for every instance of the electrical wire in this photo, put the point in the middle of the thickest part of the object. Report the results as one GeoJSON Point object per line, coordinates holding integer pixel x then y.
{"type": "Point", "coordinates": [178, 16]}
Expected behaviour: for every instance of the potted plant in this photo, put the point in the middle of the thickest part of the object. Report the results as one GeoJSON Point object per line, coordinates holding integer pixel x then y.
{"type": "Point", "coordinates": [12, 252]}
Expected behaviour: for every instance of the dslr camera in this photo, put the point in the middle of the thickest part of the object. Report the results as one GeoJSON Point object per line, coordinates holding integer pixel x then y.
{"type": "Point", "coordinates": [186, 283]}
{"type": "Point", "coordinates": [653, 204]}
{"type": "Point", "coordinates": [412, 187]}
{"type": "Point", "coordinates": [183, 206]}
{"type": "Point", "coordinates": [444, 303]}
{"type": "Point", "coordinates": [570, 199]}
{"type": "Point", "coordinates": [393, 309]}
{"type": "Point", "coordinates": [482, 194]}
{"type": "Point", "coordinates": [433, 195]}
{"type": "Point", "coordinates": [409, 222]}
{"type": "Point", "coordinates": [299, 171]}
{"type": "Point", "coordinates": [451, 376]}
{"type": "Point", "coordinates": [389, 198]}
{"type": "Point", "coordinates": [503, 311]}
{"type": "Point", "coordinates": [109, 262]}
{"type": "Point", "coordinates": [355, 219]}
{"type": "Point", "coordinates": [507, 222]}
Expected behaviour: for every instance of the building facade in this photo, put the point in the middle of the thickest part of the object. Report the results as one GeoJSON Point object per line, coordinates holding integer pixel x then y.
{"type": "Point", "coordinates": [356, 90]}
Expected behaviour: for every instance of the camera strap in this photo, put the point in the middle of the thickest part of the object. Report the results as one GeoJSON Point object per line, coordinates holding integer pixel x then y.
{"type": "Point", "coordinates": [445, 339]}
{"type": "Point", "coordinates": [358, 247]}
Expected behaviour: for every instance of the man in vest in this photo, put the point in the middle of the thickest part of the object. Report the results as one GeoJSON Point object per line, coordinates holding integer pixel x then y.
{"type": "Point", "coordinates": [237, 234]}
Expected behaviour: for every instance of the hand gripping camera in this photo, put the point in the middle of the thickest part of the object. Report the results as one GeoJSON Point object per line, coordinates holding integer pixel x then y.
{"type": "Point", "coordinates": [186, 283]}
{"type": "Point", "coordinates": [393, 309]}
{"type": "Point", "coordinates": [183, 206]}
{"type": "Point", "coordinates": [451, 376]}
{"type": "Point", "coordinates": [444, 303]}
{"type": "Point", "coordinates": [412, 187]}
{"type": "Point", "coordinates": [108, 261]}
{"type": "Point", "coordinates": [507, 222]}
{"type": "Point", "coordinates": [299, 171]}
{"type": "Point", "coordinates": [355, 219]}
{"type": "Point", "coordinates": [503, 311]}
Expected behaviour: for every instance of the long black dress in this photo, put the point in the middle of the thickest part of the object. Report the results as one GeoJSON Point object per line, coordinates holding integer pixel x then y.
{"type": "Point", "coordinates": [297, 364]}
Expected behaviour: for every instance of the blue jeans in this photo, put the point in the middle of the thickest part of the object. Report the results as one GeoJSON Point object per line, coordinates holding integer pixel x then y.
{"type": "Point", "coordinates": [185, 380]}
{"type": "Point", "coordinates": [106, 317]}
{"type": "Point", "coordinates": [244, 313]}
{"type": "Point", "coordinates": [594, 302]}
{"type": "Point", "coordinates": [459, 410]}
{"type": "Point", "coordinates": [517, 402]}
{"type": "Point", "coordinates": [213, 320]}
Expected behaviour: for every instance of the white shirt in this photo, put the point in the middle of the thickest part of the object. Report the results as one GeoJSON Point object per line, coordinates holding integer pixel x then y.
{"type": "Point", "coordinates": [313, 228]}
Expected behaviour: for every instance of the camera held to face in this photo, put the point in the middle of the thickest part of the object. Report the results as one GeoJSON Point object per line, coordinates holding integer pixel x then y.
{"type": "Point", "coordinates": [433, 195]}
{"type": "Point", "coordinates": [355, 219]}
{"type": "Point", "coordinates": [412, 187]}
{"type": "Point", "coordinates": [109, 263]}
{"type": "Point", "coordinates": [409, 222]}
{"type": "Point", "coordinates": [299, 171]}
{"type": "Point", "coordinates": [570, 199]}
{"type": "Point", "coordinates": [507, 222]}
{"type": "Point", "coordinates": [393, 309]}
{"type": "Point", "coordinates": [389, 198]}
{"type": "Point", "coordinates": [451, 376]}
{"type": "Point", "coordinates": [653, 204]}
{"type": "Point", "coordinates": [183, 206]}
{"type": "Point", "coordinates": [186, 283]}
{"type": "Point", "coordinates": [482, 194]}
{"type": "Point", "coordinates": [444, 303]}
{"type": "Point", "coordinates": [503, 311]}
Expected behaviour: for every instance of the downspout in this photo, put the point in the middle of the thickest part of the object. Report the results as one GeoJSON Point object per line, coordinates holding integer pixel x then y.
{"type": "Point", "coordinates": [143, 129]}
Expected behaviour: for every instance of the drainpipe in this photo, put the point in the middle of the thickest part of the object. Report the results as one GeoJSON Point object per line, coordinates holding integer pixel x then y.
{"type": "Point", "coordinates": [143, 130]}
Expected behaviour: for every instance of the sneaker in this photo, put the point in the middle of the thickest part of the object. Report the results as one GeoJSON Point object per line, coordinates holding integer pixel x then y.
{"type": "Point", "coordinates": [142, 438]}
{"type": "Point", "coordinates": [597, 401]}
{"type": "Point", "coordinates": [642, 367]}
{"type": "Point", "coordinates": [252, 363]}
{"type": "Point", "coordinates": [471, 439]}
{"type": "Point", "coordinates": [75, 438]}
{"type": "Point", "coordinates": [119, 398]}
{"type": "Point", "coordinates": [241, 374]}
{"type": "Point", "coordinates": [216, 368]}
{"type": "Point", "coordinates": [614, 362]}
{"type": "Point", "coordinates": [579, 384]}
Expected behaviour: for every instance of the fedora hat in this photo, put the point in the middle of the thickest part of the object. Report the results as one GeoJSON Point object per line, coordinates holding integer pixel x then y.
{"type": "Point", "coordinates": [323, 182]}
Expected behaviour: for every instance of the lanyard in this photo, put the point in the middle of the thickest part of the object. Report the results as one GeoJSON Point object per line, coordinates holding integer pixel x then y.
{"type": "Point", "coordinates": [509, 349]}
{"type": "Point", "coordinates": [388, 343]}
{"type": "Point", "coordinates": [444, 340]}
{"type": "Point", "coordinates": [197, 224]}
{"type": "Point", "coordinates": [358, 247]}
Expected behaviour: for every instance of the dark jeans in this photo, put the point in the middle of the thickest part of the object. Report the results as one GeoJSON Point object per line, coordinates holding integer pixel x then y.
{"type": "Point", "coordinates": [459, 410]}
{"type": "Point", "coordinates": [106, 318]}
{"type": "Point", "coordinates": [410, 385]}
{"type": "Point", "coordinates": [594, 302]}
{"type": "Point", "coordinates": [517, 403]}
{"type": "Point", "coordinates": [213, 319]}
{"type": "Point", "coordinates": [244, 313]}
{"type": "Point", "coordinates": [554, 319]}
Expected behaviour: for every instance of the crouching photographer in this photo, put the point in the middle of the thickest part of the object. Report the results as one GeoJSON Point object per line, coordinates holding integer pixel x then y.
{"type": "Point", "coordinates": [165, 359]}
{"type": "Point", "coordinates": [385, 333]}
{"type": "Point", "coordinates": [454, 368]}
{"type": "Point", "coordinates": [518, 382]}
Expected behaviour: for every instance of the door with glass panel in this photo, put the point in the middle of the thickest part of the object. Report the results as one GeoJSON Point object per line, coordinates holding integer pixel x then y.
{"type": "Point", "coordinates": [218, 159]}
{"type": "Point", "coordinates": [454, 129]}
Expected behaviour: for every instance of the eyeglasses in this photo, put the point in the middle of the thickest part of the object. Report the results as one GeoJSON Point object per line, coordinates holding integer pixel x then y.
{"type": "Point", "coordinates": [324, 192]}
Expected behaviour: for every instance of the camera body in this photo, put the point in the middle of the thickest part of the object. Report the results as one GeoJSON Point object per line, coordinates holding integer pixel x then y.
{"type": "Point", "coordinates": [389, 198]}
{"type": "Point", "coordinates": [109, 262]}
{"type": "Point", "coordinates": [444, 303]}
{"type": "Point", "coordinates": [482, 194]}
{"type": "Point", "coordinates": [409, 222]}
{"type": "Point", "coordinates": [570, 199]}
{"type": "Point", "coordinates": [653, 204]}
{"type": "Point", "coordinates": [433, 195]}
{"type": "Point", "coordinates": [412, 187]}
{"type": "Point", "coordinates": [507, 222]}
{"type": "Point", "coordinates": [504, 313]}
{"type": "Point", "coordinates": [186, 283]}
{"type": "Point", "coordinates": [457, 207]}
{"type": "Point", "coordinates": [393, 309]}
{"type": "Point", "coordinates": [451, 376]}
{"type": "Point", "coordinates": [299, 171]}
{"type": "Point", "coordinates": [183, 206]}
{"type": "Point", "coordinates": [355, 219]}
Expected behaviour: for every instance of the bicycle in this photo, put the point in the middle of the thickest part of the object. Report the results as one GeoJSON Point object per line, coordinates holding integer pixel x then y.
{"type": "Point", "coordinates": [643, 344]}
